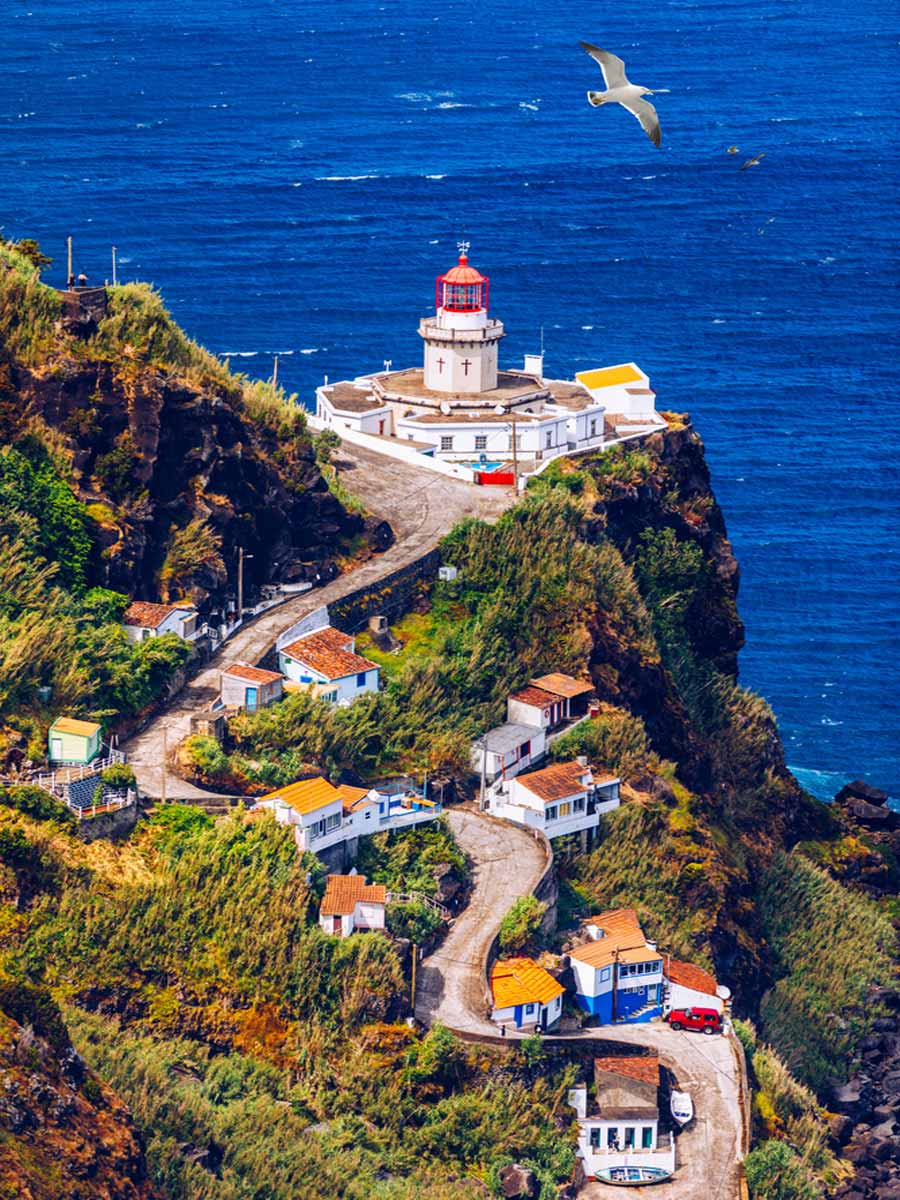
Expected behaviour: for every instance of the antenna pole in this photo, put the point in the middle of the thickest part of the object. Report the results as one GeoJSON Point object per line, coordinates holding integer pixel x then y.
{"type": "Point", "coordinates": [69, 255]}
{"type": "Point", "coordinates": [275, 373]}
{"type": "Point", "coordinates": [115, 280]}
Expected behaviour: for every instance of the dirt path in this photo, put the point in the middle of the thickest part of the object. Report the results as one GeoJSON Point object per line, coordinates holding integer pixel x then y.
{"type": "Point", "coordinates": [507, 863]}
{"type": "Point", "coordinates": [420, 506]}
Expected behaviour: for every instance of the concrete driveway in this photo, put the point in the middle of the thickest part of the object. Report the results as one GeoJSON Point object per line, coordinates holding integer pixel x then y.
{"type": "Point", "coordinates": [420, 507]}
{"type": "Point", "coordinates": [507, 863]}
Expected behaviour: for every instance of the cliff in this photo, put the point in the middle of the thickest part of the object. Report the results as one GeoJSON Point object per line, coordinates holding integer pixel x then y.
{"type": "Point", "coordinates": [177, 461]}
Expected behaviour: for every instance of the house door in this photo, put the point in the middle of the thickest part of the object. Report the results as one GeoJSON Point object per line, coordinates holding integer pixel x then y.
{"type": "Point", "coordinates": [336, 925]}
{"type": "Point", "coordinates": [250, 699]}
{"type": "Point", "coordinates": [56, 749]}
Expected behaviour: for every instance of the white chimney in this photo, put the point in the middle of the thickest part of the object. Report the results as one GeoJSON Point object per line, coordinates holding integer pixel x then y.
{"type": "Point", "coordinates": [534, 365]}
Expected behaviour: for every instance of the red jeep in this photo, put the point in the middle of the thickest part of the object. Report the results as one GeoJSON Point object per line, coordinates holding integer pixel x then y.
{"type": "Point", "coordinates": [707, 1020]}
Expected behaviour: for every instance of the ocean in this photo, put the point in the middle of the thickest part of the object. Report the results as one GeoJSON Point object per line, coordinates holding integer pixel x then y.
{"type": "Point", "coordinates": [293, 176]}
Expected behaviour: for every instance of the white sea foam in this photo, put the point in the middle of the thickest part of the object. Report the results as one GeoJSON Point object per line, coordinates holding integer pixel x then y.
{"type": "Point", "coordinates": [718, 321]}
{"type": "Point", "coordinates": [239, 354]}
{"type": "Point", "coordinates": [435, 176]}
{"type": "Point", "coordinates": [313, 349]}
{"type": "Point", "coordinates": [453, 104]}
{"type": "Point", "coordinates": [529, 107]}
{"type": "Point", "coordinates": [414, 97]}
{"type": "Point", "coordinates": [344, 178]}
{"type": "Point", "coordinates": [587, 327]}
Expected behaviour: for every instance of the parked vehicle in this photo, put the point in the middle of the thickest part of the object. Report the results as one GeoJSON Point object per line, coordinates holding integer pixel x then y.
{"type": "Point", "coordinates": [707, 1020]}
{"type": "Point", "coordinates": [681, 1107]}
{"type": "Point", "coordinates": [632, 1176]}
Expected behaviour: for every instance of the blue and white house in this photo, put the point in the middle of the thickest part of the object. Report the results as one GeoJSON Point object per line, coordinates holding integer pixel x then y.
{"type": "Point", "coordinates": [618, 973]}
{"type": "Point", "coordinates": [325, 661]}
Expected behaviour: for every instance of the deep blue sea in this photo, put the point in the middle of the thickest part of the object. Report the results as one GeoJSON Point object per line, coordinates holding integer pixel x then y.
{"type": "Point", "coordinates": [293, 175]}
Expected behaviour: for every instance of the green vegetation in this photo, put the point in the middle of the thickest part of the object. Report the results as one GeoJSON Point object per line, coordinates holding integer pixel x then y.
{"type": "Point", "coordinates": [241, 1027]}
{"type": "Point", "coordinates": [522, 923]}
{"type": "Point", "coordinates": [615, 738]}
{"type": "Point", "coordinates": [791, 1158]}
{"type": "Point", "coordinates": [38, 804]}
{"type": "Point", "coordinates": [412, 860]}
{"type": "Point", "coordinates": [193, 546]}
{"type": "Point", "coordinates": [830, 947]}
{"type": "Point", "coordinates": [28, 309]}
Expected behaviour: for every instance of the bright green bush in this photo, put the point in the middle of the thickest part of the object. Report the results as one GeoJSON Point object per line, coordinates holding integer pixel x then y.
{"type": "Point", "coordinates": [522, 923]}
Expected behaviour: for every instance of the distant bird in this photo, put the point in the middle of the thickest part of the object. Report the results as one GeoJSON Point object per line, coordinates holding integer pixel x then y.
{"type": "Point", "coordinates": [762, 228]}
{"type": "Point", "coordinates": [732, 150]}
{"type": "Point", "coordinates": [620, 91]}
{"type": "Point", "coordinates": [754, 161]}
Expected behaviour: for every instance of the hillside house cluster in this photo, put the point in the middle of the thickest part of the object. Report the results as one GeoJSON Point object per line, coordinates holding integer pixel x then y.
{"type": "Point", "coordinates": [535, 716]}
{"type": "Point", "coordinates": [620, 977]}
{"type": "Point", "coordinates": [619, 1125]}
{"type": "Point", "coordinates": [323, 815]}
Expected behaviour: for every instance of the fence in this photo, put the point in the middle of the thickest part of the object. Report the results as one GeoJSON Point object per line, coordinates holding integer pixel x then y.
{"type": "Point", "coordinates": [57, 781]}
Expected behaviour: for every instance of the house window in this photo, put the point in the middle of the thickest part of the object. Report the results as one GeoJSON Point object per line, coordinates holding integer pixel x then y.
{"type": "Point", "coordinates": [578, 805]}
{"type": "Point", "coordinates": [629, 1137]}
{"type": "Point", "coordinates": [612, 1137]}
{"type": "Point", "coordinates": [594, 427]}
{"type": "Point", "coordinates": [529, 1009]}
{"type": "Point", "coordinates": [330, 697]}
{"type": "Point", "coordinates": [361, 679]}
{"type": "Point", "coordinates": [647, 1137]}
{"type": "Point", "coordinates": [446, 442]}
{"type": "Point", "coordinates": [604, 975]}
{"type": "Point", "coordinates": [550, 813]}
{"type": "Point", "coordinates": [481, 441]}
{"type": "Point", "coordinates": [595, 1138]}
{"type": "Point", "coordinates": [525, 749]}
{"type": "Point", "coordinates": [565, 809]}
{"type": "Point", "coordinates": [549, 441]}
{"type": "Point", "coordinates": [333, 821]}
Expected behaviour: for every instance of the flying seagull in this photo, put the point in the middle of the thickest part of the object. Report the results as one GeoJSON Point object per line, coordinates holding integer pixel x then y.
{"type": "Point", "coordinates": [754, 161]}
{"type": "Point", "coordinates": [733, 149]}
{"type": "Point", "coordinates": [620, 91]}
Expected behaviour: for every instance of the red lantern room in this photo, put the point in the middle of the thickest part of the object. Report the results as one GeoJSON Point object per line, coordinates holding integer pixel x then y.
{"type": "Point", "coordinates": [462, 289]}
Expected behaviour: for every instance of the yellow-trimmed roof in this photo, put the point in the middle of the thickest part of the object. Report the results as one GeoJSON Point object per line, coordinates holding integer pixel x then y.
{"type": "Point", "coordinates": [72, 725]}
{"type": "Point", "coordinates": [604, 377]}
{"type": "Point", "coordinates": [521, 981]}
{"type": "Point", "coordinates": [353, 798]}
{"type": "Point", "coordinates": [306, 795]}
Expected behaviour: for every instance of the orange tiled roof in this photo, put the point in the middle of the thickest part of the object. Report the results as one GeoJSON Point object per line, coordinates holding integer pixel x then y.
{"type": "Point", "coordinates": [556, 782]}
{"type": "Point", "coordinates": [344, 892]}
{"type": "Point", "coordinates": [353, 798]}
{"type": "Point", "coordinates": [306, 795]}
{"type": "Point", "coordinates": [74, 725]}
{"type": "Point", "coordinates": [150, 616]}
{"type": "Point", "coordinates": [327, 652]}
{"type": "Point", "coordinates": [535, 696]}
{"type": "Point", "coordinates": [689, 976]}
{"type": "Point", "coordinates": [521, 981]}
{"type": "Point", "coordinates": [644, 1068]}
{"type": "Point", "coordinates": [623, 940]}
{"type": "Point", "coordinates": [251, 674]}
{"type": "Point", "coordinates": [562, 685]}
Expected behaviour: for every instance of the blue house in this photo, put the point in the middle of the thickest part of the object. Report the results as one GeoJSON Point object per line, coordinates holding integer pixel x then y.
{"type": "Point", "coordinates": [618, 973]}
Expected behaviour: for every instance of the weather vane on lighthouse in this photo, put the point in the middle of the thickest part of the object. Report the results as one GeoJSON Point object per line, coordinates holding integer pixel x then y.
{"type": "Point", "coordinates": [463, 248]}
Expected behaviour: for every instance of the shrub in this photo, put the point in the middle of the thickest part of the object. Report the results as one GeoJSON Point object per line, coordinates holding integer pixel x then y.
{"type": "Point", "coordinates": [775, 1172]}
{"type": "Point", "coordinates": [117, 469]}
{"type": "Point", "coordinates": [194, 546]}
{"type": "Point", "coordinates": [615, 738]}
{"type": "Point", "coordinates": [206, 756]}
{"type": "Point", "coordinates": [36, 803]}
{"type": "Point", "coordinates": [413, 920]}
{"type": "Point", "coordinates": [521, 923]}
{"type": "Point", "coordinates": [118, 775]}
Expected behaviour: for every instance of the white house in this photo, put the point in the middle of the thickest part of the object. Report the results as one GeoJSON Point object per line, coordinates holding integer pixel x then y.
{"type": "Point", "coordinates": [618, 973]}
{"type": "Point", "coordinates": [250, 688]}
{"type": "Point", "coordinates": [687, 986]}
{"type": "Point", "coordinates": [561, 799]}
{"type": "Point", "coordinates": [524, 995]}
{"type": "Point", "coordinates": [572, 694]}
{"type": "Point", "coordinates": [325, 660]}
{"type": "Point", "coordinates": [508, 749]}
{"type": "Point", "coordinates": [143, 620]}
{"type": "Point", "coordinates": [623, 390]}
{"type": "Point", "coordinates": [323, 815]}
{"type": "Point", "coordinates": [533, 706]}
{"type": "Point", "coordinates": [350, 905]}
{"type": "Point", "coordinates": [622, 1127]}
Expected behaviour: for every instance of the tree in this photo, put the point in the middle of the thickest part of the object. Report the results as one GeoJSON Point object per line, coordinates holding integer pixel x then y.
{"type": "Point", "coordinates": [29, 248]}
{"type": "Point", "coordinates": [324, 444]}
{"type": "Point", "coordinates": [521, 923]}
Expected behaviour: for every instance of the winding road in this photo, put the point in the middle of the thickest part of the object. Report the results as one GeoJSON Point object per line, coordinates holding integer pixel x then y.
{"type": "Point", "coordinates": [420, 506]}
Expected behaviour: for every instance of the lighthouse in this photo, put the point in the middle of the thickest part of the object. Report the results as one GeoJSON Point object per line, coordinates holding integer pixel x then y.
{"type": "Point", "coordinates": [461, 340]}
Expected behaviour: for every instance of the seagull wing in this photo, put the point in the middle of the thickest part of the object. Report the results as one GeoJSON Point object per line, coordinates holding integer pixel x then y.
{"type": "Point", "coordinates": [754, 161]}
{"type": "Point", "coordinates": [613, 68]}
{"type": "Point", "coordinates": [646, 115]}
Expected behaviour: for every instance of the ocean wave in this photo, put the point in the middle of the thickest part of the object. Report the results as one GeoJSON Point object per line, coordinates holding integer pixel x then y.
{"type": "Point", "coordinates": [238, 353]}
{"type": "Point", "coordinates": [529, 107]}
{"type": "Point", "coordinates": [453, 104]}
{"type": "Point", "coordinates": [313, 349]}
{"type": "Point", "coordinates": [435, 176]}
{"type": "Point", "coordinates": [414, 97]}
{"type": "Point", "coordinates": [344, 178]}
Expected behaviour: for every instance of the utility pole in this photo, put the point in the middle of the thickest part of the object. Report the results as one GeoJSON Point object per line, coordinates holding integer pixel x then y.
{"type": "Point", "coordinates": [412, 998]}
{"type": "Point", "coordinates": [165, 764]}
{"type": "Point", "coordinates": [483, 772]}
{"type": "Point", "coordinates": [241, 558]}
{"type": "Point", "coordinates": [115, 280]}
{"type": "Point", "coordinates": [69, 276]}
{"type": "Point", "coordinates": [515, 451]}
{"type": "Point", "coordinates": [275, 372]}
{"type": "Point", "coordinates": [615, 984]}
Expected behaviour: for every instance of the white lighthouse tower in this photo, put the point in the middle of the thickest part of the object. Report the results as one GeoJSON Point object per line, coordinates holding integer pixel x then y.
{"type": "Point", "coordinates": [461, 339]}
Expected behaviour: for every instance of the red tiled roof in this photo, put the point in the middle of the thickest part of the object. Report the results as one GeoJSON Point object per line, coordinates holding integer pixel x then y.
{"type": "Point", "coordinates": [150, 616]}
{"type": "Point", "coordinates": [556, 782]}
{"type": "Point", "coordinates": [326, 651]}
{"type": "Point", "coordinates": [644, 1068]}
{"type": "Point", "coordinates": [536, 697]}
{"type": "Point", "coordinates": [251, 674]}
{"type": "Point", "coordinates": [344, 892]}
{"type": "Point", "coordinates": [689, 976]}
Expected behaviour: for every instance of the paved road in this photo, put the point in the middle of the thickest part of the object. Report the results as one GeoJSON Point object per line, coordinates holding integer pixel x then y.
{"type": "Point", "coordinates": [420, 507]}
{"type": "Point", "coordinates": [507, 863]}
{"type": "Point", "coordinates": [709, 1149]}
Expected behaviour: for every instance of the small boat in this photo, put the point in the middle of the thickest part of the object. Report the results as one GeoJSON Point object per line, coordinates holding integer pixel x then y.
{"type": "Point", "coordinates": [682, 1108]}
{"type": "Point", "coordinates": [632, 1176]}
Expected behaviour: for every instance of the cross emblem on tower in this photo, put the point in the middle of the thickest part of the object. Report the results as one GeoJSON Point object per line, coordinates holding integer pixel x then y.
{"type": "Point", "coordinates": [440, 365]}
{"type": "Point", "coordinates": [466, 363]}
